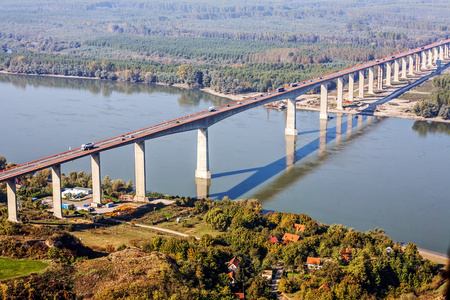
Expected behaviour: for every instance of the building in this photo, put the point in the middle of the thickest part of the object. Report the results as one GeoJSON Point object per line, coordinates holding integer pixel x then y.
{"type": "Point", "coordinates": [314, 263]}
{"type": "Point", "coordinates": [346, 254]}
{"type": "Point", "coordinates": [273, 240]}
{"type": "Point", "coordinates": [233, 265]}
{"type": "Point", "coordinates": [239, 296]}
{"type": "Point", "coordinates": [288, 237]}
{"type": "Point", "coordinates": [299, 227]}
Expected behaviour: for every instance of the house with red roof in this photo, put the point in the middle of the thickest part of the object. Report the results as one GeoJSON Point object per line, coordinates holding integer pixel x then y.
{"type": "Point", "coordinates": [239, 295]}
{"type": "Point", "coordinates": [233, 265]}
{"type": "Point", "coordinates": [314, 263]}
{"type": "Point", "coordinates": [288, 237]}
{"type": "Point", "coordinates": [273, 240]}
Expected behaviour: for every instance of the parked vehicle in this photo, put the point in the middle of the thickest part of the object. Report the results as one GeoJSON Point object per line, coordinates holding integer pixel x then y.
{"type": "Point", "coordinates": [87, 146]}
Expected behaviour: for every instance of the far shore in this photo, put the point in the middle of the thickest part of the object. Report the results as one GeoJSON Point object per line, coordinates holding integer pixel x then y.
{"type": "Point", "coordinates": [393, 112]}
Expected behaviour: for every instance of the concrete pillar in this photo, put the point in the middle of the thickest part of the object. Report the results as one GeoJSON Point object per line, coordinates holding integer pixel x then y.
{"type": "Point", "coordinates": [361, 84]}
{"type": "Point", "coordinates": [430, 58]}
{"type": "Point", "coordinates": [323, 138]}
{"type": "Point", "coordinates": [411, 65]}
{"type": "Point", "coordinates": [441, 52]}
{"type": "Point", "coordinates": [338, 129]}
{"type": "Point", "coordinates": [291, 119]}
{"type": "Point", "coordinates": [351, 86]}
{"type": "Point", "coordinates": [396, 71]}
{"type": "Point", "coordinates": [139, 171]}
{"type": "Point", "coordinates": [360, 123]}
{"type": "Point", "coordinates": [56, 185]}
{"type": "Point", "coordinates": [202, 187]}
{"type": "Point", "coordinates": [12, 200]}
{"type": "Point", "coordinates": [404, 67]}
{"type": "Point", "coordinates": [435, 54]}
{"type": "Point", "coordinates": [290, 150]}
{"type": "Point", "coordinates": [349, 125]}
{"type": "Point", "coordinates": [424, 60]}
{"type": "Point", "coordinates": [96, 178]}
{"type": "Point", "coordinates": [324, 101]}
{"type": "Point", "coordinates": [446, 51]}
{"type": "Point", "coordinates": [380, 77]}
{"type": "Point", "coordinates": [340, 92]}
{"type": "Point", "coordinates": [371, 79]}
{"type": "Point", "coordinates": [417, 64]}
{"type": "Point", "coordinates": [388, 73]}
{"type": "Point", "coordinates": [202, 170]}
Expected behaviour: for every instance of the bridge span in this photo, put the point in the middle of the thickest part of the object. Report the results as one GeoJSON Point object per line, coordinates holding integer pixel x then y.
{"type": "Point", "coordinates": [403, 64]}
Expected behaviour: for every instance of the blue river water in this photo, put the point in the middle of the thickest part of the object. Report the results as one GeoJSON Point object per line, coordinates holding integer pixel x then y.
{"type": "Point", "coordinates": [386, 173]}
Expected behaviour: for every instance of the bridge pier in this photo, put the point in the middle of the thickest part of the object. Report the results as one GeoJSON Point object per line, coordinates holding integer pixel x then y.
{"type": "Point", "coordinates": [139, 171]}
{"type": "Point", "coordinates": [96, 178]}
{"type": "Point", "coordinates": [340, 92]}
{"type": "Point", "coordinates": [56, 185]}
{"type": "Point", "coordinates": [441, 52]}
{"type": "Point", "coordinates": [417, 64]}
{"type": "Point", "coordinates": [446, 54]}
{"type": "Point", "coordinates": [202, 170]}
{"type": "Point", "coordinates": [411, 65]}
{"type": "Point", "coordinates": [436, 54]}
{"type": "Point", "coordinates": [324, 101]}
{"type": "Point", "coordinates": [12, 200]}
{"type": "Point", "coordinates": [351, 86]}
{"type": "Point", "coordinates": [290, 149]}
{"type": "Point", "coordinates": [380, 77]}
{"type": "Point", "coordinates": [396, 70]}
{"type": "Point", "coordinates": [202, 187]}
{"type": "Point", "coordinates": [388, 73]}
{"type": "Point", "coordinates": [291, 119]}
{"type": "Point", "coordinates": [430, 58]}
{"type": "Point", "coordinates": [361, 84]}
{"type": "Point", "coordinates": [424, 60]}
{"type": "Point", "coordinates": [404, 67]}
{"type": "Point", "coordinates": [371, 79]}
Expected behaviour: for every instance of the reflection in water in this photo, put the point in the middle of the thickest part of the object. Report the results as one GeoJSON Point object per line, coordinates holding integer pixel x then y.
{"type": "Point", "coordinates": [323, 138]}
{"type": "Point", "coordinates": [294, 172]}
{"type": "Point", "coordinates": [425, 127]}
{"type": "Point", "coordinates": [338, 129]}
{"type": "Point", "coordinates": [290, 149]}
{"type": "Point", "coordinates": [349, 126]}
{"type": "Point", "coordinates": [360, 123]}
{"type": "Point", "coordinates": [107, 87]}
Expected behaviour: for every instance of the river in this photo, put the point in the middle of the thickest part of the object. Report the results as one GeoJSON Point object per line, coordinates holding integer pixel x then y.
{"type": "Point", "coordinates": [386, 173]}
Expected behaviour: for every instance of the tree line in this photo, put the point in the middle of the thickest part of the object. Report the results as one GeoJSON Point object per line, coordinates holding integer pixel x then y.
{"type": "Point", "coordinates": [439, 105]}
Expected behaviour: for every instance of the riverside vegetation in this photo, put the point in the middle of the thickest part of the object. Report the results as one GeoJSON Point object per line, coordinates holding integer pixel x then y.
{"type": "Point", "coordinates": [156, 266]}
{"type": "Point", "coordinates": [231, 48]}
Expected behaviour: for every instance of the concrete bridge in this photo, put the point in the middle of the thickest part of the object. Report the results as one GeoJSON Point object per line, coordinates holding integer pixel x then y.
{"type": "Point", "coordinates": [389, 70]}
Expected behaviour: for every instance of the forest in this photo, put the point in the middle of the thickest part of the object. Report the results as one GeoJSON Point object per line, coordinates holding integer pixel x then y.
{"type": "Point", "coordinates": [231, 48]}
{"type": "Point", "coordinates": [439, 106]}
{"type": "Point", "coordinates": [161, 267]}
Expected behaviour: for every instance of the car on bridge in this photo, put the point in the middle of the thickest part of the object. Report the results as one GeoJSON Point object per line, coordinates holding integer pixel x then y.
{"type": "Point", "coordinates": [87, 146]}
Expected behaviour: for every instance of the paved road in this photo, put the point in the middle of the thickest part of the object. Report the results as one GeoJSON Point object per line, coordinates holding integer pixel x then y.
{"type": "Point", "coordinates": [159, 229]}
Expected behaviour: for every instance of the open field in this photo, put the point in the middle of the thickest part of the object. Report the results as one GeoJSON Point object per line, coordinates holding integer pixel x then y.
{"type": "Point", "coordinates": [10, 268]}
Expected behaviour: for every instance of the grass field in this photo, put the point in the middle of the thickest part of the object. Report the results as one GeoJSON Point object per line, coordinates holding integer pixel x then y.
{"type": "Point", "coordinates": [114, 235]}
{"type": "Point", "coordinates": [10, 268]}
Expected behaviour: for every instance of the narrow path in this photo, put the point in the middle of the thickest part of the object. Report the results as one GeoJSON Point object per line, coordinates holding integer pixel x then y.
{"type": "Point", "coordinates": [276, 279]}
{"type": "Point", "coordinates": [159, 229]}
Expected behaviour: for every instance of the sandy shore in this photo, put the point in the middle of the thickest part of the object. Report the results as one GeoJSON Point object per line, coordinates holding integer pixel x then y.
{"type": "Point", "coordinates": [434, 256]}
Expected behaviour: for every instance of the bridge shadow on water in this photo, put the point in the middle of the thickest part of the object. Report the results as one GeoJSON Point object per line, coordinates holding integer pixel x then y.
{"type": "Point", "coordinates": [293, 172]}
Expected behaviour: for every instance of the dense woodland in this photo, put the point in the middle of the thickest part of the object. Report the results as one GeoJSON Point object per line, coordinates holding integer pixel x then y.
{"type": "Point", "coordinates": [231, 47]}
{"type": "Point", "coordinates": [439, 105]}
{"type": "Point", "coordinates": [177, 268]}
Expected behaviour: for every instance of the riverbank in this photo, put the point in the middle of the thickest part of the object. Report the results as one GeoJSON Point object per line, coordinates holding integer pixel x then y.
{"type": "Point", "coordinates": [401, 107]}
{"type": "Point", "coordinates": [435, 257]}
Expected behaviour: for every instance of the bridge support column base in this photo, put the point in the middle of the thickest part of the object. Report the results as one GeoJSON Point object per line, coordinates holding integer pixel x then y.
{"type": "Point", "coordinates": [202, 187]}
{"type": "Point", "coordinates": [202, 170]}
{"type": "Point", "coordinates": [57, 197]}
{"type": "Point", "coordinates": [199, 174]}
{"type": "Point", "coordinates": [12, 201]}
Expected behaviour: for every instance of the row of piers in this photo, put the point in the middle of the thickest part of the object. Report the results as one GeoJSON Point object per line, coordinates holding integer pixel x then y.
{"type": "Point", "coordinates": [401, 69]}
